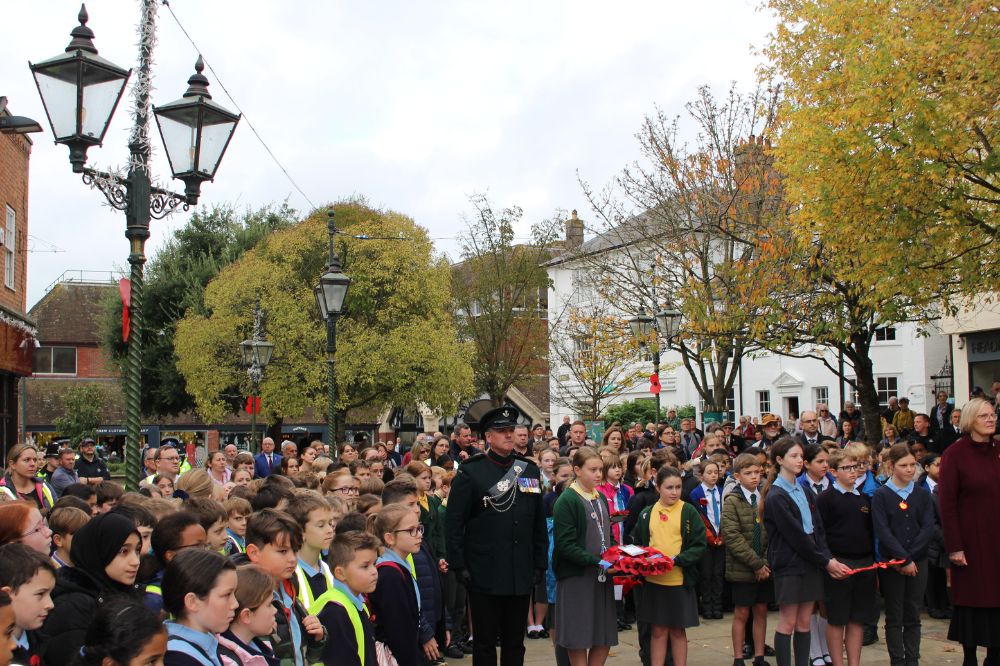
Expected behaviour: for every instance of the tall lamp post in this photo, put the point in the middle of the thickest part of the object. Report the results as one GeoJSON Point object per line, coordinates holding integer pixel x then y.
{"type": "Point", "coordinates": [330, 294]}
{"type": "Point", "coordinates": [80, 91]}
{"type": "Point", "coordinates": [644, 327]}
{"type": "Point", "coordinates": [256, 353]}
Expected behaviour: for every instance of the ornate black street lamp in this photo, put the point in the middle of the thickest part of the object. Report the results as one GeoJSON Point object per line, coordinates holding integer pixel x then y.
{"type": "Point", "coordinates": [256, 354]}
{"type": "Point", "coordinates": [649, 330]}
{"type": "Point", "coordinates": [330, 294]}
{"type": "Point", "coordinates": [80, 91]}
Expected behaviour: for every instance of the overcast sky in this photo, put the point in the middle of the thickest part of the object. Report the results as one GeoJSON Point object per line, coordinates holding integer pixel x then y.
{"type": "Point", "coordinates": [413, 105]}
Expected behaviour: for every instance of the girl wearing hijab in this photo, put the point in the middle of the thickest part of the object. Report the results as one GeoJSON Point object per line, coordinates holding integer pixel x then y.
{"type": "Point", "coordinates": [105, 554]}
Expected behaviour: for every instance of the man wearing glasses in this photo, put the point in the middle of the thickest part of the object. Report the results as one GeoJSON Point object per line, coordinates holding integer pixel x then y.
{"type": "Point", "coordinates": [168, 463]}
{"type": "Point", "coordinates": [496, 538]}
{"type": "Point", "coordinates": [90, 468]}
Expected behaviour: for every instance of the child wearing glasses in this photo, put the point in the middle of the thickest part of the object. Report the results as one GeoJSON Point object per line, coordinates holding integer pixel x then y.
{"type": "Point", "coordinates": [395, 603]}
{"type": "Point", "coordinates": [850, 601]}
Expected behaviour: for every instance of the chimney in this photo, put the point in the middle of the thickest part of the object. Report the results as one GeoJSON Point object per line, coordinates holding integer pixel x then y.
{"type": "Point", "coordinates": [574, 232]}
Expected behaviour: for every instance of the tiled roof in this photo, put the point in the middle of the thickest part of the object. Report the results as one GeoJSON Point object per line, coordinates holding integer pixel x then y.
{"type": "Point", "coordinates": [70, 313]}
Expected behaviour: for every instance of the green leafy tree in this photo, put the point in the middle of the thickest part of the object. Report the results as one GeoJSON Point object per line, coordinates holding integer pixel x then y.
{"type": "Point", "coordinates": [175, 282]}
{"type": "Point", "coordinates": [81, 412]}
{"type": "Point", "coordinates": [626, 413]}
{"type": "Point", "coordinates": [396, 341]}
{"type": "Point", "coordinates": [498, 296]}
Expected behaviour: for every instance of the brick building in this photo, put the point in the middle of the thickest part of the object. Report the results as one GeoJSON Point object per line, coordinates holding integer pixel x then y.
{"type": "Point", "coordinates": [17, 331]}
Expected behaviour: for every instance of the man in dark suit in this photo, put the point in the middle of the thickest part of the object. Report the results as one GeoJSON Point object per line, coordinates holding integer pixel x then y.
{"type": "Point", "coordinates": [810, 430]}
{"type": "Point", "coordinates": [267, 460]}
{"type": "Point", "coordinates": [497, 538]}
{"type": "Point", "coordinates": [951, 431]}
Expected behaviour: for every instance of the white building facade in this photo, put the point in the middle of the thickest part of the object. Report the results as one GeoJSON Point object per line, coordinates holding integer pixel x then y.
{"type": "Point", "coordinates": [904, 363]}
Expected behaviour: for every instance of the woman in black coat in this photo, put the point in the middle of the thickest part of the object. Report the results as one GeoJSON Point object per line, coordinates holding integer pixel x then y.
{"type": "Point", "coordinates": [105, 554]}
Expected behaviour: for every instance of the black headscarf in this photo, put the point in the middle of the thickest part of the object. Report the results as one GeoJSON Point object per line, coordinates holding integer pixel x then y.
{"type": "Point", "coordinates": [97, 543]}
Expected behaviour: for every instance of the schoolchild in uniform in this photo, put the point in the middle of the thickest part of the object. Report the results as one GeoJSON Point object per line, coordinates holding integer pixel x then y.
{"type": "Point", "coordinates": [851, 602]}
{"type": "Point", "coordinates": [585, 617]}
{"type": "Point", "coordinates": [816, 478]}
{"type": "Point", "coordinates": [345, 616]}
{"type": "Point", "coordinates": [707, 499]}
{"type": "Point", "coordinates": [29, 578]}
{"type": "Point", "coordinates": [238, 510]}
{"type": "Point", "coordinates": [314, 515]}
{"type": "Point", "coordinates": [746, 569]}
{"type": "Point", "coordinates": [797, 552]}
{"type": "Point", "coordinates": [124, 632]}
{"type": "Point", "coordinates": [199, 592]}
{"type": "Point", "coordinates": [938, 597]}
{"type": "Point", "coordinates": [669, 602]}
{"type": "Point", "coordinates": [903, 514]}
{"type": "Point", "coordinates": [244, 644]}
{"type": "Point", "coordinates": [395, 603]}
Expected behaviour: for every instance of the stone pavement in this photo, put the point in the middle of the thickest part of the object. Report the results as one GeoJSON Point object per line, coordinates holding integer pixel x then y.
{"type": "Point", "coordinates": [709, 645]}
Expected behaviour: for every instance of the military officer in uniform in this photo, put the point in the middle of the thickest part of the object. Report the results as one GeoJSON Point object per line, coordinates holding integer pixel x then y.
{"type": "Point", "coordinates": [497, 540]}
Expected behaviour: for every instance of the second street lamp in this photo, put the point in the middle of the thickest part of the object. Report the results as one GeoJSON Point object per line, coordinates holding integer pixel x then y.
{"type": "Point", "coordinates": [80, 91]}
{"type": "Point", "coordinates": [330, 294]}
{"type": "Point", "coordinates": [256, 353]}
{"type": "Point", "coordinates": [643, 328]}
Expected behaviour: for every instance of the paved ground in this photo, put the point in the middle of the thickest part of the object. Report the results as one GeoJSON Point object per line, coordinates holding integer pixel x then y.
{"type": "Point", "coordinates": [709, 645]}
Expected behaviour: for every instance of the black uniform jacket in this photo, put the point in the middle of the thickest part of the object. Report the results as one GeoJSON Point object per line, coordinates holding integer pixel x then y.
{"type": "Point", "coordinates": [501, 549]}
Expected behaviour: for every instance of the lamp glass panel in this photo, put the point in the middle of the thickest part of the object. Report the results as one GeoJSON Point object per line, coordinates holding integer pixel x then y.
{"type": "Point", "coordinates": [246, 351]}
{"type": "Point", "coordinates": [320, 302]}
{"type": "Point", "coordinates": [214, 139]}
{"type": "Point", "coordinates": [263, 350]}
{"type": "Point", "coordinates": [179, 141]}
{"type": "Point", "coordinates": [99, 100]}
{"type": "Point", "coordinates": [59, 98]}
{"type": "Point", "coordinates": [334, 292]}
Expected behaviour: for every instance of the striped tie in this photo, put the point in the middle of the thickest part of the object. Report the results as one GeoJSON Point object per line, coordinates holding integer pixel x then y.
{"type": "Point", "coordinates": [756, 542]}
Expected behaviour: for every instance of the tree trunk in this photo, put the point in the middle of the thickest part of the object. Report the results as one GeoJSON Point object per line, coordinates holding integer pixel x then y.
{"type": "Point", "coordinates": [871, 412]}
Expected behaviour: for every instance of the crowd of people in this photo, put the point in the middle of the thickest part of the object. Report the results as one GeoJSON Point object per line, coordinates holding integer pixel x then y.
{"type": "Point", "coordinates": [466, 546]}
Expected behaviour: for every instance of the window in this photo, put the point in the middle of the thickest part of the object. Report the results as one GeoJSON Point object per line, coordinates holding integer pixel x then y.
{"type": "Point", "coordinates": [885, 334]}
{"type": "Point", "coordinates": [582, 350]}
{"type": "Point", "coordinates": [763, 402]}
{"type": "Point", "coordinates": [54, 361]}
{"type": "Point", "coordinates": [9, 247]}
{"type": "Point", "coordinates": [730, 414]}
{"type": "Point", "coordinates": [887, 387]}
{"type": "Point", "coordinates": [821, 394]}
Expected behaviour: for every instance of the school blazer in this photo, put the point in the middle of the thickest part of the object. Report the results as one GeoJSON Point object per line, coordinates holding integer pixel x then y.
{"type": "Point", "coordinates": [790, 551]}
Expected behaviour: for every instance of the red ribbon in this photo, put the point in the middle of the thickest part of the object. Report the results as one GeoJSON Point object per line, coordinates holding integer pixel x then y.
{"type": "Point", "coordinates": [125, 291]}
{"type": "Point", "coordinates": [877, 565]}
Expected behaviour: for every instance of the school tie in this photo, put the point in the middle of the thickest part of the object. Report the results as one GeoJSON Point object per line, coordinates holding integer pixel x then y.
{"type": "Point", "coordinates": [818, 487]}
{"type": "Point", "coordinates": [756, 540]}
{"type": "Point", "coordinates": [715, 507]}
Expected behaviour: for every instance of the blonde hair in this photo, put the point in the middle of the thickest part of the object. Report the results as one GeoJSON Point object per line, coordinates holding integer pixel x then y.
{"type": "Point", "coordinates": [196, 483]}
{"type": "Point", "coordinates": [388, 519]}
{"type": "Point", "coordinates": [970, 412]}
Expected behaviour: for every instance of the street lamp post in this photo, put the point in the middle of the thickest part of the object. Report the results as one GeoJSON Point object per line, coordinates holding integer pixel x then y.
{"type": "Point", "coordinates": [256, 353]}
{"type": "Point", "coordinates": [644, 327]}
{"type": "Point", "coordinates": [330, 294]}
{"type": "Point", "coordinates": [80, 91]}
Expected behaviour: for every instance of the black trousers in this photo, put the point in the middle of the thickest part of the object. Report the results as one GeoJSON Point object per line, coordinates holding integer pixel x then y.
{"type": "Point", "coordinates": [496, 617]}
{"type": "Point", "coordinates": [937, 597]}
{"type": "Point", "coordinates": [903, 597]}
{"type": "Point", "coordinates": [713, 573]}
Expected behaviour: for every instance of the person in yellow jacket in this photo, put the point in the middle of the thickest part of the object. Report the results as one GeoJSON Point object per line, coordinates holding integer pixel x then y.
{"type": "Point", "coordinates": [21, 483]}
{"type": "Point", "coordinates": [342, 609]}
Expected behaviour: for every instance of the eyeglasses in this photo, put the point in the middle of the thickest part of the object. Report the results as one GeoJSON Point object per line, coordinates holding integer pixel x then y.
{"type": "Point", "coordinates": [848, 468]}
{"type": "Point", "coordinates": [412, 531]}
{"type": "Point", "coordinates": [40, 527]}
{"type": "Point", "coordinates": [346, 490]}
{"type": "Point", "coordinates": [170, 459]}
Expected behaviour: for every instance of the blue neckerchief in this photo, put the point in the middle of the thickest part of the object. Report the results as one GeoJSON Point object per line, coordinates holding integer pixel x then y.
{"type": "Point", "coordinates": [198, 645]}
{"type": "Point", "coordinates": [392, 556]}
{"type": "Point", "coordinates": [237, 538]}
{"type": "Point", "coordinates": [308, 570]}
{"type": "Point", "coordinates": [798, 495]}
{"type": "Point", "coordinates": [903, 492]}
{"type": "Point", "coordinates": [293, 623]}
{"type": "Point", "coordinates": [852, 491]}
{"type": "Point", "coordinates": [357, 599]}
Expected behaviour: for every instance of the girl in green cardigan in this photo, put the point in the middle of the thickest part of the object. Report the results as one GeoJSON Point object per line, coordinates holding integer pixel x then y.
{"type": "Point", "coordinates": [668, 601]}
{"type": "Point", "coordinates": [586, 623]}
